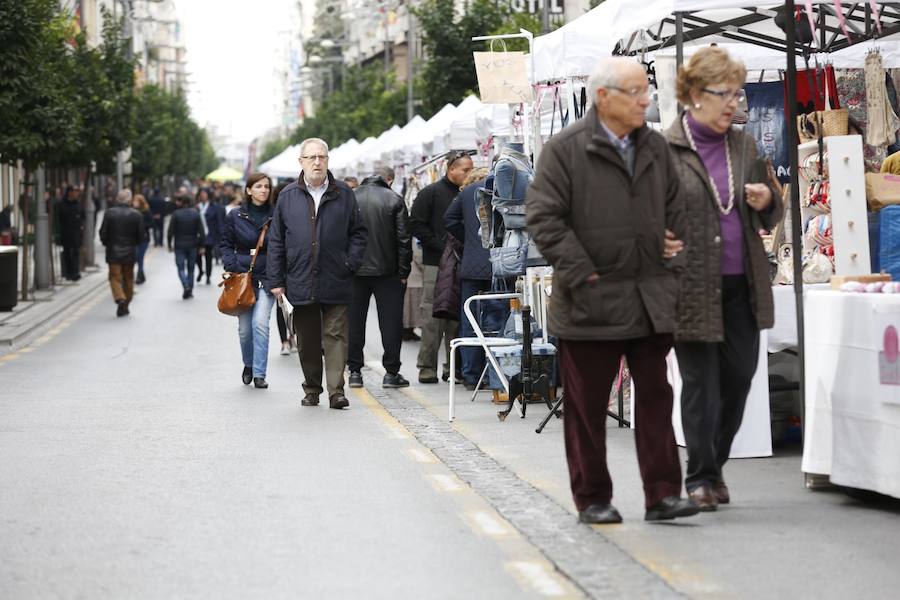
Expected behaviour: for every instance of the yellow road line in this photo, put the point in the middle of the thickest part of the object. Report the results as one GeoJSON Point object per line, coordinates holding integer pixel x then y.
{"type": "Point", "coordinates": [396, 430]}
{"type": "Point", "coordinates": [420, 455]}
{"type": "Point", "coordinates": [541, 577]}
{"type": "Point", "coordinates": [489, 523]}
{"type": "Point", "coordinates": [446, 483]}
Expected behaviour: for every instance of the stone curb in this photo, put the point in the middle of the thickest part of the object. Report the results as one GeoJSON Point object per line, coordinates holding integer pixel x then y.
{"type": "Point", "coordinates": [593, 563]}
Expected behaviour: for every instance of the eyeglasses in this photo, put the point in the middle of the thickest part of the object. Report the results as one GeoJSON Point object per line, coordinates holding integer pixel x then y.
{"type": "Point", "coordinates": [456, 156]}
{"type": "Point", "coordinates": [727, 95]}
{"type": "Point", "coordinates": [634, 93]}
{"type": "Point", "coordinates": [315, 157]}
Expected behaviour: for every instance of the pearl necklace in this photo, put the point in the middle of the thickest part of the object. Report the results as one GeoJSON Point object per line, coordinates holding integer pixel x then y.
{"type": "Point", "coordinates": [725, 210]}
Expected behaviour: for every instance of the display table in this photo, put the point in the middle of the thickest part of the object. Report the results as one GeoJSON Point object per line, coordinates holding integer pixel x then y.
{"type": "Point", "coordinates": [852, 431]}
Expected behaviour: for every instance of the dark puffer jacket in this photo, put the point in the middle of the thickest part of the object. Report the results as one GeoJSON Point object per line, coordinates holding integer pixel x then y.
{"type": "Point", "coordinates": [240, 235]}
{"type": "Point", "coordinates": [185, 229]}
{"type": "Point", "coordinates": [463, 223]}
{"type": "Point", "coordinates": [589, 215]}
{"type": "Point", "coordinates": [389, 244]}
{"type": "Point", "coordinates": [699, 316]}
{"type": "Point", "coordinates": [447, 294]}
{"type": "Point", "coordinates": [122, 230]}
{"type": "Point", "coordinates": [313, 255]}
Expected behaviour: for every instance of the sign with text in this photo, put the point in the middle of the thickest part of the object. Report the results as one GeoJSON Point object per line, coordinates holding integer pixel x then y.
{"type": "Point", "coordinates": [534, 7]}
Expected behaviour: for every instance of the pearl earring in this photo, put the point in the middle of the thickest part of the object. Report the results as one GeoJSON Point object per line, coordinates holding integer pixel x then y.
{"type": "Point", "coordinates": [698, 106]}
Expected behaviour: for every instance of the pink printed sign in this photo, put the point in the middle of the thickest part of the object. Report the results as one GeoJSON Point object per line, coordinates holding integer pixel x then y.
{"type": "Point", "coordinates": [889, 358]}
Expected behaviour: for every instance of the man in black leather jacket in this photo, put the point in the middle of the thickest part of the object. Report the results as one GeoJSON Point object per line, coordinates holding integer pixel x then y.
{"type": "Point", "coordinates": [383, 273]}
{"type": "Point", "coordinates": [122, 230]}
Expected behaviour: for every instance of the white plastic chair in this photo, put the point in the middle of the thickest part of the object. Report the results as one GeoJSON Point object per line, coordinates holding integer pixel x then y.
{"type": "Point", "coordinates": [479, 340]}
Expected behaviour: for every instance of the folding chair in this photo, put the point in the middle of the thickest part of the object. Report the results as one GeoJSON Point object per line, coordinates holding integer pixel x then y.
{"type": "Point", "coordinates": [480, 340]}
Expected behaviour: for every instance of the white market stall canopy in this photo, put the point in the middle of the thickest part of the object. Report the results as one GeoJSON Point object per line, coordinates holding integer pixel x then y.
{"type": "Point", "coordinates": [284, 165]}
{"type": "Point", "coordinates": [616, 27]}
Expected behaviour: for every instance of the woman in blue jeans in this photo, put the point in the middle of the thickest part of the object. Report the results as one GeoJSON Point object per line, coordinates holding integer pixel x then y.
{"type": "Point", "coordinates": [243, 227]}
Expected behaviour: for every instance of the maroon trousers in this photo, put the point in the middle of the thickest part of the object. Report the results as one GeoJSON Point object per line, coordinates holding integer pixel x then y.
{"type": "Point", "coordinates": [588, 371]}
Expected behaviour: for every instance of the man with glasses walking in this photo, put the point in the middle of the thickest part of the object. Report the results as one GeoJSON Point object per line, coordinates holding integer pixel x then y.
{"type": "Point", "coordinates": [316, 243]}
{"type": "Point", "coordinates": [605, 208]}
{"type": "Point", "coordinates": [426, 221]}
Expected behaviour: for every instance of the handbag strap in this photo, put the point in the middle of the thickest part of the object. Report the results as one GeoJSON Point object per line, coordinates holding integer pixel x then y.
{"type": "Point", "coordinates": [259, 243]}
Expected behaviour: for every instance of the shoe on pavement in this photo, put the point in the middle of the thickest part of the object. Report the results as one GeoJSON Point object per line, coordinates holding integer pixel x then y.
{"type": "Point", "coordinates": [122, 308]}
{"type": "Point", "coordinates": [703, 497]}
{"type": "Point", "coordinates": [260, 382]}
{"type": "Point", "coordinates": [199, 276]}
{"type": "Point", "coordinates": [671, 507]}
{"type": "Point", "coordinates": [355, 379]}
{"type": "Point", "coordinates": [140, 278]}
{"type": "Point", "coordinates": [409, 335]}
{"type": "Point", "coordinates": [456, 380]}
{"type": "Point", "coordinates": [247, 376]}
{"type": "Point", "coordinates": [338, 401]}
{"type": "Point", "coordinates": [285, 348]}
{"type": "Point", "coordinates": [427, 376]}
{"type": "Point", "coordinates": [394, 380]}
{"type": "Point", "coordinates": [207, 280]}
{"type": "Point", "coordinates": [601, 514]}
{"type": "Point", "coordinates": [720, 491]}
{"type": "Point", "coordinates": [310, 400]}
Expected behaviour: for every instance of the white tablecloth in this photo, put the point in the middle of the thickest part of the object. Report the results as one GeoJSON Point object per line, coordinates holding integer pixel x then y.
{"type": "Point", "coordinates": [852, 430]}
{"type": "Point", "coordinates": [784, 334]}
{"type": "Point", "coordinates": [754, 438]}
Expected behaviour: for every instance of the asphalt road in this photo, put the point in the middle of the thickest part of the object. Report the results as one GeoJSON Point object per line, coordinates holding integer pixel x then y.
{"type": "Point", "coordinates": [136, 465]}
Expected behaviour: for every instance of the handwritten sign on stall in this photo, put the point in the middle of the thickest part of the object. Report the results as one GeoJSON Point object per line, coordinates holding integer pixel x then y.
{"type": "Point", "coordinates": [502, 77]}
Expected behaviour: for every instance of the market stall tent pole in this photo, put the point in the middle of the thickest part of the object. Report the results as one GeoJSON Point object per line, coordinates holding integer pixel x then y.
{"type": "Point", "coordinates": [796, 242]}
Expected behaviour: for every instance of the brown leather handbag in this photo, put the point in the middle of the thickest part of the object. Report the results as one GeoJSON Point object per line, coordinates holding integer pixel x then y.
{"type": "Point", "coordinates": [237, 288]}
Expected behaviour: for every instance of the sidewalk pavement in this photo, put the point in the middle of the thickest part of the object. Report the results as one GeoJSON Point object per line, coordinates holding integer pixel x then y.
{"type": "Point", "coordinates": [45, 307]}
{"type": "Point", "coordinates": [775, 539]}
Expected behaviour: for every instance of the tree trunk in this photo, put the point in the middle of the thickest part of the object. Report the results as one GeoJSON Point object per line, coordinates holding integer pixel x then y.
{"type": "Point", "coordinates": [25, 258]}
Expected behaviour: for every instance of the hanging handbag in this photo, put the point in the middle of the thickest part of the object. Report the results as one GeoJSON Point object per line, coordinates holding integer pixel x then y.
{"type": "Point", "coordinates": [823, 123]}
{"type": "Point", "coordinates": [237, 288]}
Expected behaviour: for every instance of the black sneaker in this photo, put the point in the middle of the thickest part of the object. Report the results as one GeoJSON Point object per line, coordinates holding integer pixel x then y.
{"type": "Point", "coordinates": [355, 379]}
{"type": "Point", "coordinates": [185, 294]}
{"type": "Point", "coordinates": [394, 380]}
{"type": "Point", "coordinates": [122, 308]}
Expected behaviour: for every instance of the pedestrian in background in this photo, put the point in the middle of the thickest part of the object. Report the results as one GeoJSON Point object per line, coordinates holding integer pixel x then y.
{"type": "Point", "coordinates": [475, 273]}
{"type": "Point", "coordinates": [243, 229]}
{"type": "Point", "coordinates": [71, 232]}
{"type": "Point", "coordinates": [317, 243]}
{"type": "Point", "coordinates": [140, 205]}
{"type": "Point", "coordinates": [352, 182]}
{"type": "Point", "coordinates": [614, 285]}
{"type": "Point", "coordinates": [213, 223]}
{"type": "Point", "coordinates": [121, 232]}
{"type": "Point", "coordinates": [185, 236]}
{"type": "Point", "coordinates": [427, 224]}
{"type": "Point", "coordinates": [158, 210]}
{"type": "Point", "coordinates": [725, 297]}
{"type": "Point", "coordinates": [382, 274]}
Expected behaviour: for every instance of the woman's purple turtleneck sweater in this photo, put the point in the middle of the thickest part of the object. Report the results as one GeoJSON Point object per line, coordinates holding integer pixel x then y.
{"type": "Point", "coordinates": [711, 148]}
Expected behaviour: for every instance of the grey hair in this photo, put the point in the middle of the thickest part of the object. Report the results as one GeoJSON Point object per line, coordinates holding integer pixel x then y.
{"type": "Point", "coordinates": [308, 141]}
{"type": "Point", "coordinates": [385, 172]}
{"type": "Point", "coordinates": [124, 196]}
{"type": "Point", "coordinates": [606, 74]}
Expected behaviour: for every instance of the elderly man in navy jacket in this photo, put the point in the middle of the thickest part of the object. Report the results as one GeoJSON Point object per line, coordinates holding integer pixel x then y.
{"type": "Point", "coordinates": [316, 243]}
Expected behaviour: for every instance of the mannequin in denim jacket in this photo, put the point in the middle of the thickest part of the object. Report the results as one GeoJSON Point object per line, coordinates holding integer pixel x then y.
{"type": "Point", "coordinates": [513, 174]}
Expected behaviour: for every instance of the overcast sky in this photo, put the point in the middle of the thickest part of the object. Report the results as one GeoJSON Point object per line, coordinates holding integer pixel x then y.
{"type": "Point", "coordinates": [230, 48]}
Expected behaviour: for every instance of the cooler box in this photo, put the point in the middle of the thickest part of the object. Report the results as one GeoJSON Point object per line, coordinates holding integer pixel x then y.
{"type": "Point", "coordinates": [9, 271]}
{"type": "Point", "coordinates": [543, 358]}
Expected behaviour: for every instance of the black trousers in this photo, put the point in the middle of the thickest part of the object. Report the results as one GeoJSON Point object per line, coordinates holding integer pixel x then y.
{"type": "Point", "coordinates": [208, 257]}
{"type": "Point", "coordinates": [71, 261]}
{"type": "Point", "coordinates": [388, 292]}
{"type": "Point", "coordinates": [716, 379]}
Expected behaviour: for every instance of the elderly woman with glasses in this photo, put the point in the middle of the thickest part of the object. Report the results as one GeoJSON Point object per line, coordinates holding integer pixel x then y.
{"type": "Point", "coordinates": [725, 297]}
